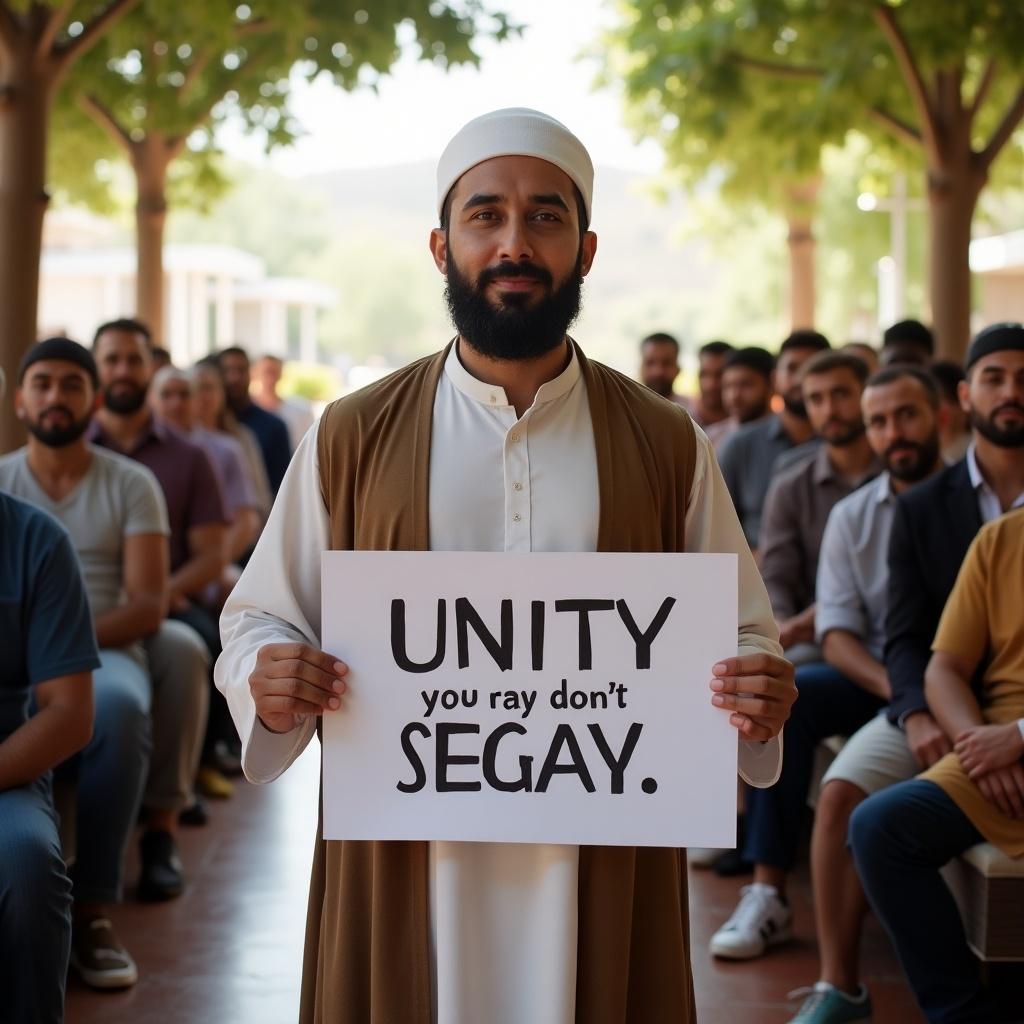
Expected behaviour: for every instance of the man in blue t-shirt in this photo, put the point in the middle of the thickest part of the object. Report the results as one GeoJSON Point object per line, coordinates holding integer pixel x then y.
{"type": "Point", "coordinates": [47, 654]}
{"type": "Point", "coordinates": [116, 519]}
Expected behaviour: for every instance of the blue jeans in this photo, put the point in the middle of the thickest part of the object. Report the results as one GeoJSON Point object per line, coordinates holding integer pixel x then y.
{"type": "Point", "coordinates": [900, 837]}
{"type": "Point", "coordinates": [111, 773]}
{"type": "Point", "coordinates": [828, 704]}
{"type": "Point", "coordinates": [35, 907]}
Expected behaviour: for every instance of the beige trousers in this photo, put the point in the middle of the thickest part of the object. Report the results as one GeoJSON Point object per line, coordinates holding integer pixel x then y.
{"type": "Point", "coordinates": [179, 669]}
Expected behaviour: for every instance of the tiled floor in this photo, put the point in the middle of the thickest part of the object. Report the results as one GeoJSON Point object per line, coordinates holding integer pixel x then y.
{"type": "Point", "coordinates": [755, 992]}
{"type": "Point", "coordinates": [230, 949]}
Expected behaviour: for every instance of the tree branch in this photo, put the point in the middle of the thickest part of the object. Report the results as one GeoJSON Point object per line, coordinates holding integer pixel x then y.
{"type": "Point", "coordinates": [10, 30]}
{"type": "Point", "coordinates": [768, 67]}
{"type": "Point", "coordinates": [218, 90]}
{"type": "Point", "coordinates": [115, 10]}
{"type": "Point", "coordinates": [174, 144]}
{"type": "Point", "coordinates": [202, 60]}
{"type": "Point", "coordinates": [105, 118]}
{"type": "Point", "coordinates": [203, 113]}
{"type": "Point", "coordinates": [897, 126]}
{"type": "Point", "coordinates": [253, 28]}
{"type": "Point", "coordinates": [195, 69]}
{"type": "Point", "coordinates": [886, 21]}
{"type": "Point", "coordinates": [987, 78]}
{"type": "Point", "coordinates": [949, 90]}
{"type": "Point", "coordinates": [1006, 127]}
{"type": "Point", "coordinates": [54, 22]}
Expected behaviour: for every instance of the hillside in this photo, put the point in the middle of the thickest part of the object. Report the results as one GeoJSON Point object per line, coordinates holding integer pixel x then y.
{"type": "Point", "coordinates": [642, 280]}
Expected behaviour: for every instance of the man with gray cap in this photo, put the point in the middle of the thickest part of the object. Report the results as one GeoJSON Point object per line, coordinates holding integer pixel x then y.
{"type": "Point", "coordinates": [508, 440]}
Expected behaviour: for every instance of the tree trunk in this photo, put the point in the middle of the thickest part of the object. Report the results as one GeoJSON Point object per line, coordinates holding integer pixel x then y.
{"type": "Point", "coordinates": [150, 162]}
{"type": "Point", "coordinates": [801, 201]}
{"type": "Point", "coordinates": [24, 125]}
{"type": "Point", "coordinates": [952, 197]}
{"type": "Point", "coordinates": [801, 274]}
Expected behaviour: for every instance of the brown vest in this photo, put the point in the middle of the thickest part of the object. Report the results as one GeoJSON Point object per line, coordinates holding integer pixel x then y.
{"type": "Point", "coordinates": [367, 951]}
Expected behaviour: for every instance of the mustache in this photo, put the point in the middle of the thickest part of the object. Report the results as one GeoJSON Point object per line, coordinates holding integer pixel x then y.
{"type": "Point", "coordinates": [57, 408]}
{"type": "Point", "coordinates": [903, 446]}
{"type": "Point", "coordinates": [1016, 406]}
{"type": "Point", "coordinates": [509, 269]}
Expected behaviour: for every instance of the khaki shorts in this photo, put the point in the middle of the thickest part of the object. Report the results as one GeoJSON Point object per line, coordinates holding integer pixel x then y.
{"type": "Point", "coordinates": [874, 757]}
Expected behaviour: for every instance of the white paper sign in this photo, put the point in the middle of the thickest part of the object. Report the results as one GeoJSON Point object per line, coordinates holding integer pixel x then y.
{"type": "Point", "coordinates": [530, 698]}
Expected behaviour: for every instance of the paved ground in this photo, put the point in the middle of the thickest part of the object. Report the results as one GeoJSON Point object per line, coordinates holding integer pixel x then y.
{"type": "Point", "coordinates": [229, 950]}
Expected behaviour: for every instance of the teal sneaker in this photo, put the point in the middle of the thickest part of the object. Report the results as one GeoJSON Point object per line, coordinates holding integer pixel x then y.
{"type": "Point", "coordinates": [825, 1004]}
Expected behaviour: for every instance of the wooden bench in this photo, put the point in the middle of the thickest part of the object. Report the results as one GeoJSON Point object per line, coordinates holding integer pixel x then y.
{"type": "Point", "coordinates": [989, 890]}
{"type": "Point", "coordinates": [987, 885]}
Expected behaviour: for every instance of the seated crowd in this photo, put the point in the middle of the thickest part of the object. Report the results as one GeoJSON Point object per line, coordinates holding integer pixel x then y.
{"type": "Point", "coordinates": [879, 503]}
{"type": "Point", "coordinates": [886, 509]}
{"type": "Point", "coordinates": [123, 523]}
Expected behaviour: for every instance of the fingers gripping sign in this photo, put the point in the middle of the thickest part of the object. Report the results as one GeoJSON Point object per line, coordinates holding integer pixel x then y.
{"type": "Point", "coordinates": [758, 689]}
{"type": "Point", "coordinates": [293, 680]}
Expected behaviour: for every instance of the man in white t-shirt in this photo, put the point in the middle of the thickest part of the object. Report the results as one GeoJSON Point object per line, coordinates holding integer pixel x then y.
{"type": "Point", "coordinates": [115, 514]}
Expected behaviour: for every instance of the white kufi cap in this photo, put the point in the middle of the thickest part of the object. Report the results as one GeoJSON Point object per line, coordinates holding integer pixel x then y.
{"type": "Point", "coordinates": [515, 131]}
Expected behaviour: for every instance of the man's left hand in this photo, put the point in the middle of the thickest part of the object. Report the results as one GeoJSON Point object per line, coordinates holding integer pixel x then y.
{"type": "Point", "coordinates": [759, 691]}
{"type": "Point", "coordinates": [984, 748]}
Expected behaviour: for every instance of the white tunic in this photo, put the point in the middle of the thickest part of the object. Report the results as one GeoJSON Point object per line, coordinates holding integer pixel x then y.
{"type": "Point", "coordinates": [503, 916]}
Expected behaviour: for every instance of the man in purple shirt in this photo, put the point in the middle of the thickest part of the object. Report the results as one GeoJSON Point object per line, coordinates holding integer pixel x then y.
{"type": "Point", "coordinates": [195, 502]}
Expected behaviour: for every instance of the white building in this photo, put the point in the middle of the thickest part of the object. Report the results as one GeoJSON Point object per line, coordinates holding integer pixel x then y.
{"type": "Point", "coordinates": [215, 295]}
{"type": "Point", "coordinates": [998, 263]}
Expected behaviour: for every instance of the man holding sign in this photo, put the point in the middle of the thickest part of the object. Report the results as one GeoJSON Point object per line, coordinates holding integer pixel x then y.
{"type": "Point", "coordinates": [510, 440]}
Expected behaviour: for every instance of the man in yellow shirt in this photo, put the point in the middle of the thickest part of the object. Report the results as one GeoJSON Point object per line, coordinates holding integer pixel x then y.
{"type": "Point", "coordinates": [903, 835]}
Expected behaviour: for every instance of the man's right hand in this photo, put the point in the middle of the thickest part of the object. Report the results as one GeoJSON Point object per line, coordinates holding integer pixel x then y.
{"type": "Point", "coordinates": [1004, 788]}
{"type": "Point", "coordinates": [927, 742]}
{"type": "Point", "coordinates": [293, 680]}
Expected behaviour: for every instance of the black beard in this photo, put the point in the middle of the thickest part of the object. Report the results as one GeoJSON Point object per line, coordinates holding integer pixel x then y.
{"type": "Point", "coordinates": [795, 407]}
{"type": "Point", "coordinates": [126, 401]}
{"type": "Point", "coordinates": [854, 432]}
{"type": "Point", "coordinates": [238, 403]}
{"type": "Point", "coordinates": [755, 414]}
{"type": "Point", "coordinates": [1004, 437]}
{"type": "Point", "coordinates": [927, 456]}
{"type": "Point", "coordinates": [512, 331]}
{"type": "Point", "coordinates": [58, 437]}
{"type": "Point", "coordinates": [661, 388]}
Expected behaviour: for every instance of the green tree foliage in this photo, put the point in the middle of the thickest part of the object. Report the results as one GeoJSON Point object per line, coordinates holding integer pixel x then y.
{"type": "Point", "coordinates": [170, 73]}
{"type": "Point", "coordinates": [179, 69]}
{"type": "Point", "coordinates": [755, 88]}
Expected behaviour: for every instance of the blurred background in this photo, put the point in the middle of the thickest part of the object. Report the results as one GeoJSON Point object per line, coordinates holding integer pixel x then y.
{"type": "Point", "coordinates": [263, 173]}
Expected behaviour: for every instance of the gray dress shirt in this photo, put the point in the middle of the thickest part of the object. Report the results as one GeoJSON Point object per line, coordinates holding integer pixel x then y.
{"type": "Point", "coordinates": [795, 512]}
{"type": "Point", "coordinates": [747, 459]}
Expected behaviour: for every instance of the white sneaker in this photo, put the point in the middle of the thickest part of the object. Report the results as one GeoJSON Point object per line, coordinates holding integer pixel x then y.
{"type": "Point", "coordinates": [761, 919]}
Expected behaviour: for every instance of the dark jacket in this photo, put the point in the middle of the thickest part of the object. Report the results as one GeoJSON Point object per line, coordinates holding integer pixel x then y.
{"type": "Point", "coordinates": [934, 525]}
